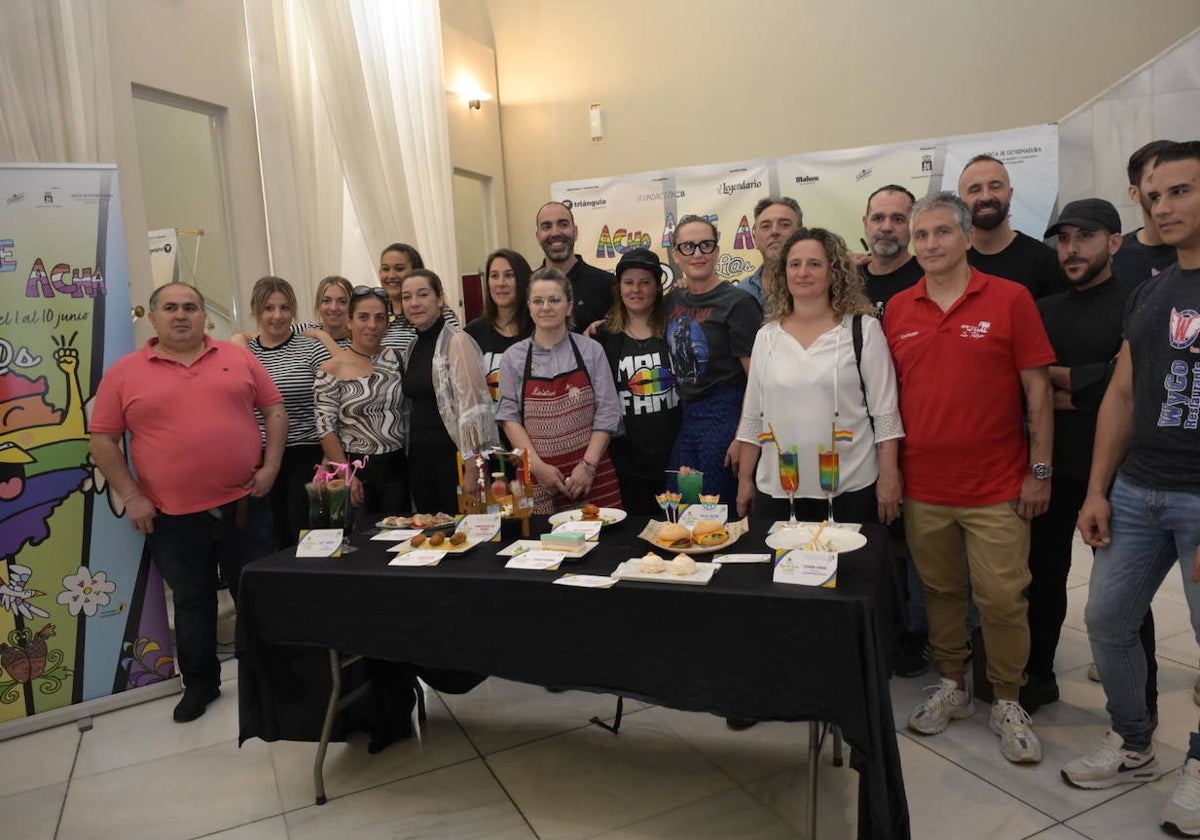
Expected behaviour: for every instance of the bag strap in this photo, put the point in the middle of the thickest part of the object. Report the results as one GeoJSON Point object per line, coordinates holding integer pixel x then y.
{"type": "Point", "coordinates": [856, 340]}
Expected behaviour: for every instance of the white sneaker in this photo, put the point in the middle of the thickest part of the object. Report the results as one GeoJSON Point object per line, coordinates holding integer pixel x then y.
{"type": "Point", "coordinates": [948, 702]}
{"type": "Point", "coordinates": [1111, 764]}
{"type": "Point", "coordinates": [1182, 812]}
{"type": "Point", "coordinates": [1018, 742]}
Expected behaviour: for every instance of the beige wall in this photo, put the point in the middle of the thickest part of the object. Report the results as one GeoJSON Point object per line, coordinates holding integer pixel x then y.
{"type": "Point", "coordinates": [686, 82]}
{"type": "Point", "coordinates": [196, 50]}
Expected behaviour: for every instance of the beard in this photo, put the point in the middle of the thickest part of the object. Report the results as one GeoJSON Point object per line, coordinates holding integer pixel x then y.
{"type": "Point", "coordinates": [989, 222]}
{"type": "Point", "coordinates": [886, 246]}
{"type": "Point", "coordinates": [1093, 270]}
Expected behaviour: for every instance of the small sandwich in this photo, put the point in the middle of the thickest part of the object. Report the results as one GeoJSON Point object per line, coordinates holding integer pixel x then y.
{"type": "Point", "coordinates": [674, 536]}
{"type": "Point", "coordinates": [589, 512]}
{"type": "Point", "coordinates": [708, 533]}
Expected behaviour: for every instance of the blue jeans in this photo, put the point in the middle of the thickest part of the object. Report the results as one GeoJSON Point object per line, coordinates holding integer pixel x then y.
{"type": "Point", "coordinates": [1151, 531]}
{"type": "Point", "coordinates": [187, 550]}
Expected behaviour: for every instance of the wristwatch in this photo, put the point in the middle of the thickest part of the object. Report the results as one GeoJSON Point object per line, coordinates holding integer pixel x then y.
{"type": "Point", "coordinates": [1042, 471]}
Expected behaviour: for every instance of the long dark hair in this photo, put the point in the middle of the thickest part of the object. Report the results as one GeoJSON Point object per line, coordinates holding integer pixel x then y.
{"type": "Point", "coordinates": [522, 271]}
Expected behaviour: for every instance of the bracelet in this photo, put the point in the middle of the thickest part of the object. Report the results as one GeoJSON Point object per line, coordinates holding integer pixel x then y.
{"type": "Point", "coordinates": [591, 468]}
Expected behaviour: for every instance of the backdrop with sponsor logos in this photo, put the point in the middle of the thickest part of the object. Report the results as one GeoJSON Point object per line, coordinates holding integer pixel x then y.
{"type": "Point", "coordinates": [621, 212]}
{"type": "Point", "coordinates": [82, 611]}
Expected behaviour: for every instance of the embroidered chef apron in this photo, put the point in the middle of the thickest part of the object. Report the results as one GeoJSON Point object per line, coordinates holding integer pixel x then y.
{"type": "Point", "coordinates": [558, 413]}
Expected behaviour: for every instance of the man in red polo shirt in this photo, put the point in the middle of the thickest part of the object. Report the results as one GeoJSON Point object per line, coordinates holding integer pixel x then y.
{"type": "Point", "coordinates": [971, 356]}
{"type": "Point", "coordinates": [188, 404]}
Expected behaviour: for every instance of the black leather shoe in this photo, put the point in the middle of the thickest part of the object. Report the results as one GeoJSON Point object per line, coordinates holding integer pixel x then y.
{"type": "Point", "coordinates": [738, 724]}
{"type": "Point", "coordinates": [1038, 692]}
{"type": "Point", "coordinates": [195, 700]}
{"type": "Point", "coordinates": [912, 659]}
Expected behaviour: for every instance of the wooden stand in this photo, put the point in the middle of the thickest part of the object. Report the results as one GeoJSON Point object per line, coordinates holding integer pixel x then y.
{"type": "Point", "coordinates": [471, 499]}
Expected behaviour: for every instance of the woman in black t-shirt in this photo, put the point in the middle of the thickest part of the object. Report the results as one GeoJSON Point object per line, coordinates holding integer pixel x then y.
{"type": "Point", "coordinates": [634, 340]}
{"type": "Point", "coordinates": [505, 319]}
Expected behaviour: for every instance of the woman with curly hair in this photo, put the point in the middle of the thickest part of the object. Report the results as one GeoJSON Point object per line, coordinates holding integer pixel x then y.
{"type": "Point", "coordinates": [821, 363]}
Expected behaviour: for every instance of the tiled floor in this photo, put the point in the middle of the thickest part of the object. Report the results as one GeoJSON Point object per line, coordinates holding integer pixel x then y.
{"type": "Point", "coordinates": [514, 761]}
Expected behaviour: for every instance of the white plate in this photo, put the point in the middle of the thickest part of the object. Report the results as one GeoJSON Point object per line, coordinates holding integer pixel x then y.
{"type": "Point", "coordinates": [407, 546]}
{"type": "Point", "coordinates": [629, 571]}
{"type": "Point", "coordinates": [840, 539]}
{"type": "Point", "coordinates": [608, 516]}
{"type": "Point", "coordinates": [406, 522]}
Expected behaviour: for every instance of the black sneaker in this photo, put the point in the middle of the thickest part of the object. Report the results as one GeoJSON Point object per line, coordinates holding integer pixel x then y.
{"type": "Point", "coordinates": [913, 657]}
{"type": "Point", "coordinates": [1038, 691]}
{"type": "Point", "coordinates": [195, 700]}
{"type": "Point", "coordinates": [738, 724]}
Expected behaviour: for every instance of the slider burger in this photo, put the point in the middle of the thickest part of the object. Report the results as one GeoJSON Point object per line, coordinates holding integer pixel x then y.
{"type": "Point", "coordinates": [708, 533]}
{"type": "Point", "coordinates": [673, 536]}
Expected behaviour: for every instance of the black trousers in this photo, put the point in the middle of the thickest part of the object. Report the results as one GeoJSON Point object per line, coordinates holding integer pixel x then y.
{"type": "Point", "coordinates": [288, 499]}
{"type": "Point", "coordinates": [856, 506]}
{"type": "Point", "coordinates": [433, 478]}
{"type": "Point", "coordinates": [1050, 539]}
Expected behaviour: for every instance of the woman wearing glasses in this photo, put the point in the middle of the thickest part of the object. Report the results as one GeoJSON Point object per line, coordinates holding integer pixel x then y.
{"type": "Point", "coordinates": [558, 402]}
{"type": "Point", "coordinates": [710, 332]}
{"type": "Point", "coordinates": [292, 361]}
{"type": "Point", "coordinates": [359, 407]}
{"type": "Point", "coordinates": [450, 408]}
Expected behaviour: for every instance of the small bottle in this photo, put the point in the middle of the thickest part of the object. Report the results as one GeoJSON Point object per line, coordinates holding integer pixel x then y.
{"type": "Point", "coordinates": [499, 486]}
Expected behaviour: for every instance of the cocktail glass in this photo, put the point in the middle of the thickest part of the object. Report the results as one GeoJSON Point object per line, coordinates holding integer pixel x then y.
{"type": "Point", "coordinates": [829, 469]}
{"type": "Point", "coordinates": [789, 480]}
{"type": "Point", "coordinates": [691, 485]}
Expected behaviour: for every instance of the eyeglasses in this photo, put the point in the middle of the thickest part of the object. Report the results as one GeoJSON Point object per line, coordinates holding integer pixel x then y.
{"type": "Point", "coordinates": [538, 302]}
{"type": "Point", "coordinates": [706, 246]}
{"type": "Point", "coordinates": [363, 291]}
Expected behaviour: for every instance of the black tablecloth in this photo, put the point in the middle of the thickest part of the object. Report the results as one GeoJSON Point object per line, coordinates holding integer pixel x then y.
{"type": "Point", "coordinates": [742, 646]}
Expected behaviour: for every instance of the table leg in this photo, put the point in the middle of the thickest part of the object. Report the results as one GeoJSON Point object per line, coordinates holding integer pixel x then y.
{"type": "Point", "coordinates": [814, 756]}
{"type": "Point", "coordinates": [335, 689]}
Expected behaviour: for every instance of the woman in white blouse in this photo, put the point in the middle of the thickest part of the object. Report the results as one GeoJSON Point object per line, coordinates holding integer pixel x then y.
{"type": "Point", "coordinates": [806, 380]}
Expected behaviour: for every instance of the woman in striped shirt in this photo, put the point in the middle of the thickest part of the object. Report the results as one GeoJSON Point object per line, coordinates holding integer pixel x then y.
{"type": "Point", "coordinates": [332, 309]}
{"type": "Point", "coordinates": [292, 361]}
{"type": "Point", "coordinates": [359, 407]}
{"type": "Point", "coordinates": [395, 263]}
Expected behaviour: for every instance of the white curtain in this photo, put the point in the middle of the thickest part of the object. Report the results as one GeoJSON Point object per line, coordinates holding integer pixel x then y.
{"type": "Point", "coordinates": [379, 69]}
{"type": "Point", "coordinates": [55, 85]}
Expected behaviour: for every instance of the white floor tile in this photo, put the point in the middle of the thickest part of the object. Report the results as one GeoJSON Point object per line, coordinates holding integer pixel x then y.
{"type": "Point", "coordinates": [733, 813]}
{"type": "Point", "coordinates": [786, 794]}
{"type": "Point", "coordinates": [588, 781]}
{"type": "Point", "coordinates": [272, 828]}
{"type": "Point", "coordinates": [753, 753]}
{"type": "Point", "coordinates": [944, 800]}
{"type": "Point", "coordinates": [147, 732]}
{"type": "Point", "coordinates": [350, 768]}
{"type": "Point", "coordinates": [1179, 648]}
{"type": "Point", "coordinates": [1136, 813]}
{"type": "Point", "coordinates": [1058, 832]}
{"type": "Point", "coordinates": [462, 802]}
{"type": "Point", "coordinates": [499, 714]}
{"type": "Point", "coordinates": [32, 815]}
{"type": "Point", "coordinates": [180, 796]}
{"type": "Point", "coordinates": [37, 759]}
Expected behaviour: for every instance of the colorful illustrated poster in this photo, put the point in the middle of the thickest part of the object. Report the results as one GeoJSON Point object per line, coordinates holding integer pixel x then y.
{"type": "Point", "coordinates": [82, 612]}
{"type": "Point", "coordinates": [831, 188]}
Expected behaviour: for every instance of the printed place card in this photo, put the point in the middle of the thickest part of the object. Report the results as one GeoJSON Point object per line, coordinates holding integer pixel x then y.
{"type": "Point", "coordinates": [807, 568]}
{"type": "Point", "coordinates": [536, 558]}
{"type": "Point", "coordinates": [586, 581]}
{"type": "Point", "coordinates": [742, 558]}
{"type": "Point", "coordinates": [590, 530]}
{"type": "Point", "coordinates": [480, 527]}
{"type": "Point", "coordinates": [701, 513]}
{"type": "Point", "coordinates": [320, 542]}
{"type": "Point", "coordinates": [396, 534]}
{"type": "Point", "coordinates": [419, 557]}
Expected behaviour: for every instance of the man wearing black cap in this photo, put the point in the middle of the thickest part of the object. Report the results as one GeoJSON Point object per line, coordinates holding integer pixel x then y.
{"type": "Point", "coordinates": [634, 341]}
{"type": "Point", "coordinates": [1084, 325]}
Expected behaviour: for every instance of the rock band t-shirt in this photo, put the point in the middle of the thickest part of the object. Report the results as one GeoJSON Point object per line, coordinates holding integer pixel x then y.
{"type": "Point", "coordinates": [709, 334]}
{"type": "Point", "coordinates": [1162, 326]}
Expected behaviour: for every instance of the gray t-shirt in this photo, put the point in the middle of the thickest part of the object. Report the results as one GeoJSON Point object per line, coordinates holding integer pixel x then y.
{"type": "Point", "coordinates": [1162, 325]}
{"type": "Point", "coordinates": [708, 335]}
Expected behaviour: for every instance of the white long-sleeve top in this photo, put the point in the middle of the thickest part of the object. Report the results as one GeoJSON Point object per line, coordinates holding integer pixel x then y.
{"type": "Point", "coordinates": [794, 389]}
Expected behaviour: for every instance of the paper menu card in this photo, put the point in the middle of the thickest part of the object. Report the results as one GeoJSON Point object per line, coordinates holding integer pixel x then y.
{"type": "Point", "coordinates": [586, 581]}
{"type": "Point", "coordinates": [419, 557]}
{"type": "Point", "coordinates": [396, 534]}
{"type": "Point", "coordinates": [807, 568]}
{"type": "Point", "coordinates": [320, 542]}
{"type": "Point", "coordinates": [590, 529]}
{"type": "Point", "coordinates": [480, 527]}
{"type": "Point", "coordinates": [536, 558]}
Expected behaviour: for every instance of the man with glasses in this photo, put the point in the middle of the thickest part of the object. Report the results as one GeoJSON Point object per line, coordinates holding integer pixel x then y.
{"type": "Point", "coordinates": [590, 286]}
{"type": "Point", "coordinates": [775, 217]}
{"type": "Point", "coordinates": [188, 404]}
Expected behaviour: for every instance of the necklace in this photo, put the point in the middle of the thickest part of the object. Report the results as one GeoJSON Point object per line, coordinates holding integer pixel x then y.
{"type": "Point", "coordinates": [371, 356]}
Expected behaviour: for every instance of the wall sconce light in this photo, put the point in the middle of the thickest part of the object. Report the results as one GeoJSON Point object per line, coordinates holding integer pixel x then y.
{"type": "Point", "coordinates": [472, 94]}
{"type": "Point", "coordinates": [476, 100]}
